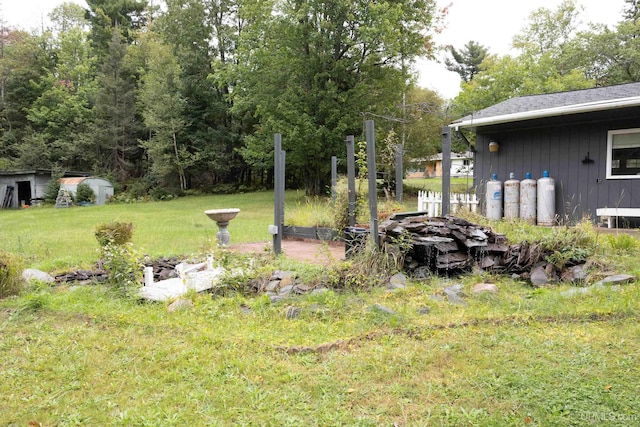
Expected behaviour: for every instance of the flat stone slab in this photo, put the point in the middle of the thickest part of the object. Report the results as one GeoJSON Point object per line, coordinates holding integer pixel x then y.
{"type": "Point", "coordinates": [480, 288]}
{"type": "Point", "coordinates": [617, 279]}
{"type": "Point", "coordinates": [31, 274]}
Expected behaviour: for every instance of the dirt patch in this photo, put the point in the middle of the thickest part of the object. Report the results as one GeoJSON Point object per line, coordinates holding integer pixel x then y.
{"type": "Point", "coordinates": [313, 251]}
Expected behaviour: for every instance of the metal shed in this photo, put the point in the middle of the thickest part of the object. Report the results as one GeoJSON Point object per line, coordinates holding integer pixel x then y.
{"type": "Point", "coordinates": [26, 187]}
{"type": "Point", "coordinates": [101, 187]}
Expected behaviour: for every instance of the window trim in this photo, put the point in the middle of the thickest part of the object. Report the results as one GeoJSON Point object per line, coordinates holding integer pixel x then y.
{"type": "Point", "coordinates": [610, 152]}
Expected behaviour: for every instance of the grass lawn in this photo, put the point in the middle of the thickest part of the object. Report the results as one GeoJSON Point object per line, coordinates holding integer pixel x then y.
{"type": "Point", "coordinates": [79, 355]}
{"type": "Point", "coordinates": [55, 239]}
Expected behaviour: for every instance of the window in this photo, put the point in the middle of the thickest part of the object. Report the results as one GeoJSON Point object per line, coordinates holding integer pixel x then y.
{"type": "Point", "coordinates": [623, 154]}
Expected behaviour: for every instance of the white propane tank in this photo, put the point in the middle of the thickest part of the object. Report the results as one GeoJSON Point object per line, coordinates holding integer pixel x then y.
{"type": "Point", "coordinates": [546, 200]}
{"type": "Point", "coordinates": [528, 199]}
{"type": "Point", "coordinates": [494, 198]}
{"type": "Point", "coordinates": [511, 197]}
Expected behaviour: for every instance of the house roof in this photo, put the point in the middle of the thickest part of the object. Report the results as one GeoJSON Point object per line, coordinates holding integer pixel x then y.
{"type": "Point", "coordinates": [554, 104]}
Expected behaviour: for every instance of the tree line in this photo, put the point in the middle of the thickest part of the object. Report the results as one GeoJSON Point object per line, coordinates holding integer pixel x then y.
{"type": "Point", "coordinates": [554, 52]}
{"type": "Point", "coordinates": [189, 95]}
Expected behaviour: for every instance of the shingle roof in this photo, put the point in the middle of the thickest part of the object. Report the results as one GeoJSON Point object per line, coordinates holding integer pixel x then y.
{"type": "Point", "coordinates": [552, 104]}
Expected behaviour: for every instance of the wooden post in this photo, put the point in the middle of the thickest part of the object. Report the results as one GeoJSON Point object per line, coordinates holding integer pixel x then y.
{"type": "Point", "coordinates": [399, 172]}
{"type": "Point", "coordinates": [334, 177]}
{"type": "Point", "coordinates": [279, 157]}
{"type": "Point", "coordinates": [446, 169]}
{"type": "Point", "coordinates": [351, 180]}
{"type": "Point", "coordinates": [373, 191]}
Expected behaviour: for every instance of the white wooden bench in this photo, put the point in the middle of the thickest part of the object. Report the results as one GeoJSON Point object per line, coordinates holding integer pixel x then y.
{"type": "Point", "coordinates": [610, 213]}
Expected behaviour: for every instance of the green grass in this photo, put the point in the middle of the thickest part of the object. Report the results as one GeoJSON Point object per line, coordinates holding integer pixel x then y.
{"type": "Point", "coordinates": [458, 185]}
{"type": "Point", "coordinates": [500, 361]}
{"type": "Point", "coordinates": [53, 239]}
{"type": "Point", "coordinates": [80, 355]}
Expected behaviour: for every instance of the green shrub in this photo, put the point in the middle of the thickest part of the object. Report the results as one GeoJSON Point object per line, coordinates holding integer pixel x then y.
{"type": "Point", "coordinates": [84, 193]}
{"type": "Point", "coordinates": [10, 275]}
{"type": "Point", "coordinates": [117, 233]}
{"type": "Point", "coordinates": [571, 245]}
{"type": "Point", "coordinates": [52, 189]}
{"type": "Point", "coordinates": [119, 258]}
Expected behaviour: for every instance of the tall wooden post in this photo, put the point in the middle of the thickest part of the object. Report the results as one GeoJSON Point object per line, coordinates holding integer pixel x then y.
{"type": "Point", "coordinates": [399, 172]}
{"type": "Point", "coordinates": [373, 190]}
{"type": "Point", "coordinates": [279, 157]}
{"type": "Point", "coordinates": [351, 180]}
{"type": "Point", "coordinates": [334, 177]}
{"type": "Point", "coordinates": [446, 169]}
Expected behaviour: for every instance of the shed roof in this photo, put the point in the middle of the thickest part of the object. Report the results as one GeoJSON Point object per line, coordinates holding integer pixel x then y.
{"type": "Point", "coordinates": [71, 181]}
{"type": "Point", "coordinates": [554, 104]}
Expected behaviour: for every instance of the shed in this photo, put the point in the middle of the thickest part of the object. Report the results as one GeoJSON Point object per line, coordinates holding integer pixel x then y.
{"type": "Point", "coordinates": [26, 187]}
{"type": "Point", "coordinates": [588, 140]}
{"type": "Point", "coordinates": [101, 187]}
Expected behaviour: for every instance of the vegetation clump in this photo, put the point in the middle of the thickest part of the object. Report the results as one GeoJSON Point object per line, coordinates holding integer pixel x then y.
{"type": "Point", "coordinates": [10, 275]}
{"type": "Point", "coordinates": [84, 194]}
{"type": "Point", "coordinates": [119, 258]}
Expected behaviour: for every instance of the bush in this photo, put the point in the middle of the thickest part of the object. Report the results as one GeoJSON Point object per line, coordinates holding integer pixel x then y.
{"type": "Point", "coordinates": [117, 233]}
{"type": "Point", "coordinates": [84, 194]}
{"type": "Point", "coordinates": [52, 189]}
{"type": "Point", "coordinates": [10, 275]}
{"type": "Point", "coordinates": [118, 256]}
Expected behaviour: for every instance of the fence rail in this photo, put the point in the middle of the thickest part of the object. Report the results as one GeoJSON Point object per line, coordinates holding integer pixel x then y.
{"type": "Point", "coordinates": [431, 202]}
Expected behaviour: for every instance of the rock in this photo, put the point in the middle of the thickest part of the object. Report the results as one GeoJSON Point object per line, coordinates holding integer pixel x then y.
{"type": "Point", "coordinates": [286, 290]}
{"type": "Point", "coordinates": [276, 298]}
{"type": "Point", "coordinates": [272, 286]}
{"type": "Point", "coordinates": [302, 289]}
{"type": "Point", "coordinates": [480, 288]}
{"type": "Point", "coordinates": [424, 310]}
{"type": "Point", "coordinates": [319, 291]}
{"type": "Point", "coordinates": [287, 282]}
{"type": "Point", "coordinates": [579, 273]}
{"type": "Point", "coordinates": [180, 304]}
{"type": "Point", "coordinates": [293, 312]}
{"type": "Point", "coordinates": [280, 275]}
{"type": "Point", "coordinates": [617, 279]}
{"type": "Point", "coordinates": [382, 309]}
{"type": "Point", "coordinates": [397, 281]}
{"type": "Point", "coordinates": [31, 274]}
{"type": "Point", "coordinates": [454, 294]}
{"type": "Point", "coordinates": [539, 276]}
{"type": "Point", "coordinates": [453, 290]}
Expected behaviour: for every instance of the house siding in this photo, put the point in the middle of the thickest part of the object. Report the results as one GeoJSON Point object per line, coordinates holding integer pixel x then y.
{"type": "Point", "coordinates": [559, 147]}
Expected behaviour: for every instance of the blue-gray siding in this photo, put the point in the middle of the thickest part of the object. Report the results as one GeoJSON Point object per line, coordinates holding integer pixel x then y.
{"type": "Point", "coordinates": [559, 146]}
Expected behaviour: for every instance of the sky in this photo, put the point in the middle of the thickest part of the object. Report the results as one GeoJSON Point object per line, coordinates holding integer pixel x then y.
{"type": "Point", "coordinates": [492, 23]}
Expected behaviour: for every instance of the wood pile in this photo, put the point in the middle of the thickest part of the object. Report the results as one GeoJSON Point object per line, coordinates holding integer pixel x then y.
{"type": "Point", "coordinates": [449, 245]}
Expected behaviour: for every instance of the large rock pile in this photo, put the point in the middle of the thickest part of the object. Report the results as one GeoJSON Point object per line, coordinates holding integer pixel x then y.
{"type": "Point", "coordinates": [449, 244]}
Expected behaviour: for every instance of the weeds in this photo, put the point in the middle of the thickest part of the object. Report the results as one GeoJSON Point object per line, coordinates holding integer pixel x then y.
{"type": "Point", "coordinates": [119, 258]}
{"type": "Point", "coordinates": [10, 275]}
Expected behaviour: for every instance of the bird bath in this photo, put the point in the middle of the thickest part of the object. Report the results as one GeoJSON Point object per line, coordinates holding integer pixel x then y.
{"type": "Point", "coordinates": [222, 218]}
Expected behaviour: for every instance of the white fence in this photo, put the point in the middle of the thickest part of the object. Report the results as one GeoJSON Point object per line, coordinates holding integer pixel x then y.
{"type": "Point", "coordinates": [431, 202]}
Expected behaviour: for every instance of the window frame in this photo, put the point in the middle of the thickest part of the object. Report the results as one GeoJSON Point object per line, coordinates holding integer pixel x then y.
{"type": "Point", "coordinates": [610, 135]}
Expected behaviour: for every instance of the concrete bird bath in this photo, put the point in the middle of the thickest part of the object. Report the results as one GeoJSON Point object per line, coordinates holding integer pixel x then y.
{"type": "Point", "coordinates": [222, 218]}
